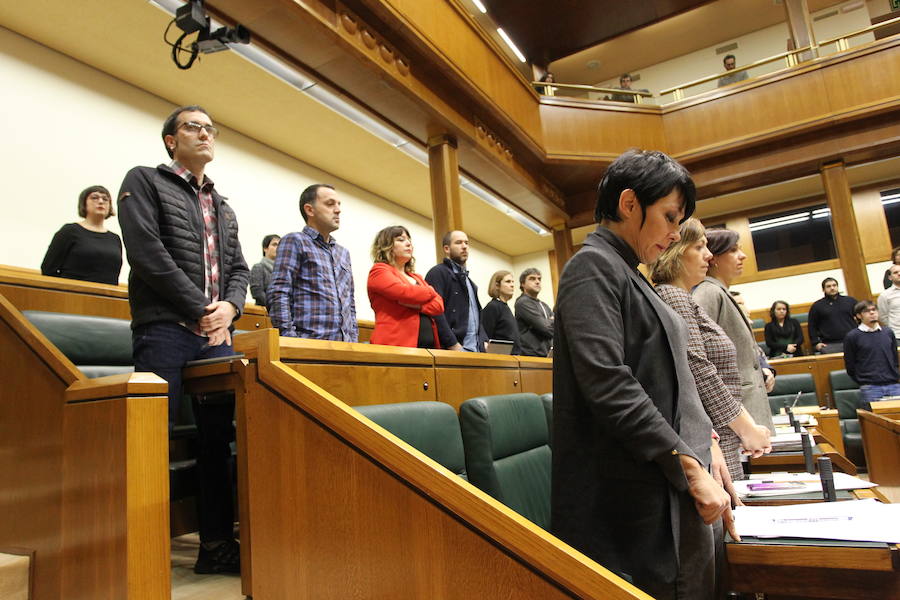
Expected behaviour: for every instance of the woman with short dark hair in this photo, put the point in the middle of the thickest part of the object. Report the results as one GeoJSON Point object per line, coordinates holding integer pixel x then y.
{"type": "Point", "coordinates": [86, 250]}
{"type": "Point", "coordinates": [404, 304]}
{"type": "Point", "coordinates": [784, 336]}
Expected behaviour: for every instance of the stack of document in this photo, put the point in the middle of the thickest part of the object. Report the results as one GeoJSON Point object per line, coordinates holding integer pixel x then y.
{"type": "Point", "coordinates": [861, 521]}
{"type": "Point", "coordinates": [782, 484]}
{"type": "Point", "coordinates": [788, 442]}
{"type": "Point", "coordinates": [808, 420]}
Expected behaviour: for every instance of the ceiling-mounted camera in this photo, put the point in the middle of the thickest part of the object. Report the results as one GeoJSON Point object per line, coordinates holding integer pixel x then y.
{"type": "Point", "coordinates": [192, 18]}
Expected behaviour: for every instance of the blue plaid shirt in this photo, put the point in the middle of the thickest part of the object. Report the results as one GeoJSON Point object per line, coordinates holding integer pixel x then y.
{"type": "Point", "coordinates": [311, 292]}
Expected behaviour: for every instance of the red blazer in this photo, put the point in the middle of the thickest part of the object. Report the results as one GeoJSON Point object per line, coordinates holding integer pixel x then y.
{"type": "Point", "coordinates": [397, 325]}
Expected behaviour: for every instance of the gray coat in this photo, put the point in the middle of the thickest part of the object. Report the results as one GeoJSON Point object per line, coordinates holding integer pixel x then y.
{"type": "Point", "coordinates": [714, 298]}
{"type": "Point", "coordinates": [623, 400]}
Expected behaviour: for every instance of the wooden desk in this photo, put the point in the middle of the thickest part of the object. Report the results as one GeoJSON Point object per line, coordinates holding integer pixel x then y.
{"type": "Point", "coordinates": [881, 443]}
{"type": "Point", "coordinates": [819, 366]}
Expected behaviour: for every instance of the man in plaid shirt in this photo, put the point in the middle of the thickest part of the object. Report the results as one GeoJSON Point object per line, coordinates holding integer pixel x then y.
{"type": "Point", "coordinates": [311, 292]}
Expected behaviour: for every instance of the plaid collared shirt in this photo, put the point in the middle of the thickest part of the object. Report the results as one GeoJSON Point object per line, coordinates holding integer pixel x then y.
{"type": "Point", "coordinates": [713, 361]}
{"type": "Point", "coordinates": [211, 229]}
{"type": "Point", "coordinates": [311, 292]}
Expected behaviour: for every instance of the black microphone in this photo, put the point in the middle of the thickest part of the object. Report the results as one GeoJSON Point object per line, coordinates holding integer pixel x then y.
{"type": "Point", "coordinates": [826, 474]}
{"type": "Point", "coordinates": [807, 453]}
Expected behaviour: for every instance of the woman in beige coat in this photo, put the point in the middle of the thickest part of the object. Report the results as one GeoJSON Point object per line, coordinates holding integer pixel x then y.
{"type": "Point", "coordinates": [712, 295]}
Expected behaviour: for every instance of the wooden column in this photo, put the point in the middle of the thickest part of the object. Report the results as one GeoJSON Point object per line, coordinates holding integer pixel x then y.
{"type": "Point", "coordinates": [846, 230]}
{"type": "Point", "coordinates": [563, 250]}
{"type": "Point", "coordinates": [800, 25]}
{"type": "Point", "coordinates": [443, 169]}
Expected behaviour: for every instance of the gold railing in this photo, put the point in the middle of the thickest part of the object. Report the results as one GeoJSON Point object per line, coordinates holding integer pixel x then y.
{"type": "Point", "coordinates": [549, 87]}
{"type": "Point", "coordinates": [790, 57]}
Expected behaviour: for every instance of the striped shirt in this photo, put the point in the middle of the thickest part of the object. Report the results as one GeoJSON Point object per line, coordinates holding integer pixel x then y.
{"type": "Point", "coordinates": [311, 291]}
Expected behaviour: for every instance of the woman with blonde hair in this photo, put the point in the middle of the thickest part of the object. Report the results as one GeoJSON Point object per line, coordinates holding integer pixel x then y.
{"type": "Point", "coordinates": [497, 318]}
{"type": "Point", "coordinates": [404, 304]}
{"type": "Point", "coordinates": [711, 353]}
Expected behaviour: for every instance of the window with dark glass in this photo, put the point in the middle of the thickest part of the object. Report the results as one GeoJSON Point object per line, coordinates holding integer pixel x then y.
{"type": "Point", "coordinates": [794, 237]}
{"type": "Point", "coordinates": [890, 201]}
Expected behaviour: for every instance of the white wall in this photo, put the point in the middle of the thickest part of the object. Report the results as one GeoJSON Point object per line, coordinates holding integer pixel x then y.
{"type": "Point", "coordinates": [67, 125]}
{"type": "Point", "coordinates": [751, 47]}
{"type": "Point", "coordinates": [541, 261]}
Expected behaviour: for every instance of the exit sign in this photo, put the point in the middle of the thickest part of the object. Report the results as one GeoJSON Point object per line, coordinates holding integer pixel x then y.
{"type": "Point", "coordinates": [895, 4]}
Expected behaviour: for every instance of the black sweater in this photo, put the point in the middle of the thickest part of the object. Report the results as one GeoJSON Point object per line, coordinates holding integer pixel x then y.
{"type": "Point", "coordinates": [79, 253]}
{"type": "Point", "coordinates": [831, 319]}
{"type": "Point", "coordinates": [500, 324]}
{"type": "Point", "coordinates": [871, 356]}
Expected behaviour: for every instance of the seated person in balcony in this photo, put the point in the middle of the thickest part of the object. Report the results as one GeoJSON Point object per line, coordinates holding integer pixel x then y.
{"type": "Point", "coordinates": [546, 90]}
{"type": "Point", "coordinates": [784, 336]}
{"type": "Point", "coordinates": [311, 292]}
{"type": "Point", "coordinates": [499, 322]}
{"type": "Point", "coordinates": [630, 484]}
{"type": "Point", "coordinates": [261, 273]}
{"type": "Point", "coordinates": [86, 250]}
{"type": "Point", "coordinates": [730, 62]}
{"type": "Point", "coordinates": [624, 84]}
{"type": "Point", "coordinates": [830, 318]}
{"type": "Point", "coordinates": [405, 305]}
{"type": "Point", "coordinates": [870, 355]}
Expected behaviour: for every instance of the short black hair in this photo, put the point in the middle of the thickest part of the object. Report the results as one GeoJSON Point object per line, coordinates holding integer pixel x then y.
{"type": "Point", "coordinates": [171, 124]}
{"type": "Point", "coordinates": [268, 240]}
{"type": "Point", "coordinates": [652, 175]}
{"type": "Point", "coordinates": [826, 280]}
{"type": "Point", "coordinates": [727, 56]}
{"type": "Point", "coordinates": [308, 196]}
{"type": "Point", "coordinates": [83, 196]}
{"type": "Point", "coordinates": [863, 305]}
{"type": "Point", "coordinates": [624, 75]}
{"type": "Point", "coordinates": [526, 273]}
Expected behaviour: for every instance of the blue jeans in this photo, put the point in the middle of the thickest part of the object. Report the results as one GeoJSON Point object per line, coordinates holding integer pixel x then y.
{"type": "Point", "coordinates": [164, 348]}
{"type": "Point", "coordinates": [873, 393]}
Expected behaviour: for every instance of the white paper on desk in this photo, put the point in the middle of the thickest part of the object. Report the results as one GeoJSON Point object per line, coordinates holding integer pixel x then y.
{"type": "Point", "coordinates": [804, 420]}
{"type": "Point", "coordinates": [860, 521]}
{"type": "Point", "coordinates": [811, 482]}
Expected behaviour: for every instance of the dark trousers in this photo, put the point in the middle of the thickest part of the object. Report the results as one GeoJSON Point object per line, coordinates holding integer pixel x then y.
{"type": "Point", "coordinates": [164, 348]}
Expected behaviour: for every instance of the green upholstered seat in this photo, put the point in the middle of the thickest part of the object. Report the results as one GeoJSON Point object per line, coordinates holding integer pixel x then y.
{"type": "Point", "coordinates": [801, 317]}
{"type": "Point", "coordinates": [846, 400]}
{"type": "Point", "coordinates": [506, 442]}
{"type": "Point", "coordinates": [758, 323]}
{"type": "Point", "coordinates": [432, 428]}
{"type": "Point", "coordinates": [98, 346]}
{"type": "Point", "coordinates": [786, 388]}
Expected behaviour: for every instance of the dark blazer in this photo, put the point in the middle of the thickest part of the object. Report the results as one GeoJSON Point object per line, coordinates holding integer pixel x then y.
{"type": "Point", "coordinates": [623, 400]}
{"type": "Point", "coordinates": [452, 287]}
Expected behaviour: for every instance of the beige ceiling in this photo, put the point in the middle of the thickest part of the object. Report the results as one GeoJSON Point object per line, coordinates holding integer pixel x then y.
{"type": "Point", "coordinates": [124, 39]}
{"type": "Point", "coordinates": [720, 21]}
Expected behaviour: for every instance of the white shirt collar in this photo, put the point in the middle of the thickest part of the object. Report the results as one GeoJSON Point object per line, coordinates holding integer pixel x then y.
{"type": "Point", "coordinates": [865, 329]}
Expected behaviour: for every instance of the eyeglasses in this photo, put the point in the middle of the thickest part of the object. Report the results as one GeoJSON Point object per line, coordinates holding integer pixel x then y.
{"type": "Point", "coordinates": [195, 127]}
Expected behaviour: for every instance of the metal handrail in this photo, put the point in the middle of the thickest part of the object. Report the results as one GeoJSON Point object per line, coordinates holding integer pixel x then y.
{"type": "Point", "coordinates": [752, 65]}
{"type": "Point", "coordinates": [592, 88]}
{"type": "Point", "coordinates": [868, 29]}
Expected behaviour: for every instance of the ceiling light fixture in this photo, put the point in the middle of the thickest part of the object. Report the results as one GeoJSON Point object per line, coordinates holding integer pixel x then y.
{"type": "Point", "coordinates": [511, 45]}
{"type": "Point", "coordinates": [479, 6]}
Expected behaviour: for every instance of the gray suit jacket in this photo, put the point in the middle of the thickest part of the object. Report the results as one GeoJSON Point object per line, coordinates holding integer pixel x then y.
{"type": "Point", "coordinates": [623, 400]}
{"type": "Point", "coordinates": [714, 298]}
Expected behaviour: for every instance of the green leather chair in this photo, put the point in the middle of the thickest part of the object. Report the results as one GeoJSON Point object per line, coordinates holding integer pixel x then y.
{"type": "Point", "coordinates": [432, 428]}
{"type": "Point", "coordinates": [547, 401]}
{"type": "Point", "coordinates": [786, 388]}
{"type": "Point", "coordinates": [98, 346]}
{"type": "Point", "coordinates": [506, 442]}
{"type": "Point", "coordinates": [846, 400]}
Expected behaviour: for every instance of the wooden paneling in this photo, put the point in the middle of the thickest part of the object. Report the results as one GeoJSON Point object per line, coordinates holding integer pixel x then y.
{"type": "Point", "coordinates": [819, 366]}
{"type": "Point", "coordinates": [847, 236]}
{"type": "Point", "coordinates": [371, 384]}
{"type": "Point", "coordinates": [373, 517]}
{"type": "Point", "coordinates": [881, 442]}
{"type": "Point", "coordinates": [464, 375]}
{"type": "Point", "coordinates": [870, 218]}
{"type": "Point", "coordinates": [535, 375]}
{"type": "Point", "coordinates": [116, 487]}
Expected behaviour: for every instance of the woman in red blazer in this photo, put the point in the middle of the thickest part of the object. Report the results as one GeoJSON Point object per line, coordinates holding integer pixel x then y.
{"type": "Point", "coordinates": [404, 304]}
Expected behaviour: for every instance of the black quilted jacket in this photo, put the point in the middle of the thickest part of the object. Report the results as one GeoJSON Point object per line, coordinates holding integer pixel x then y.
{"type": "Point", "coordinates": [162, 228]}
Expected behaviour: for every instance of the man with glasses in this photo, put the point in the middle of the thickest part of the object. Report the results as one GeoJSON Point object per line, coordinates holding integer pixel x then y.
{"type": "Point", "coordinates": [870, 355]}
{"type": "Point", "coordinates": [187, 285]}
